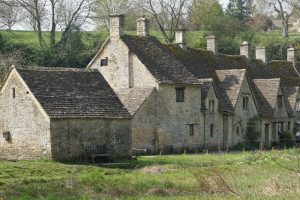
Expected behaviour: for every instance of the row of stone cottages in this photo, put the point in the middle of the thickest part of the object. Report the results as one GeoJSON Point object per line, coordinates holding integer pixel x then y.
{"type": "Point", "coordinates": [138, 93]}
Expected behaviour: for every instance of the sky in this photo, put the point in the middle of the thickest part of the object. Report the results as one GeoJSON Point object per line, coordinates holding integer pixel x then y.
{"type": "Point", "coordinates": [224, 3]}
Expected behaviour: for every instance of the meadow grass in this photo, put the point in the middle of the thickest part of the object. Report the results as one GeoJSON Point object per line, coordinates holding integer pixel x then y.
{"type": "Point", "coordinates": [259, 175]}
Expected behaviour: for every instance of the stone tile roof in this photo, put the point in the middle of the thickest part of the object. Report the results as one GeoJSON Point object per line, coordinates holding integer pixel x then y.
{"type": "Point", "coordinates": [159, 60]}
{"type": "Point", "coordinates": [203, 63]}
{"type": "Point", "coordinates": [265, 92]}
{"type": "Point", "coordinates": [228, 84]}
{"type": "Point", "coordinates": [133, 98]}
{"type": "Point", "coordinates": [72, 93]}
{"type": "Point", "coordinates": [290, 93]}
{"type": "Point", "coordinates": [205, 85]}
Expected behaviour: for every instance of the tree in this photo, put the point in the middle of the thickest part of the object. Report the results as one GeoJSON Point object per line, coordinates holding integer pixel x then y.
{"type": "Point", "coordinates": [240, 9]}
{"type": "Point", "coordinates": [203, 13]}
{"type": "Point", "coordinates": [103, 8]}
{"type": "Point", "coordinates": [283, 8]}
{"type": "Point", "coordinates": [168, 15]}
{"type": "Point", "coordinates": [9, 14]}
{"type": "Point", "coordinates": [36, 11]}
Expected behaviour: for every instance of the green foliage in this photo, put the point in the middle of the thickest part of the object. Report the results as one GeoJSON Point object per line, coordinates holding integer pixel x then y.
{"type": "Point", "coordinates": [238, 9]}
{"type": "Point", "coordinates": [286, 139]}
{"type": "Point", "coordinates": [252, 138]}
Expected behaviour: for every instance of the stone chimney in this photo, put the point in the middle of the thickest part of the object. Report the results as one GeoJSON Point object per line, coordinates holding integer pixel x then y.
{"type": "Point", "coordinates": [212, 44]}
{"type": "Point", "coordinates": [245, 49]}
{"type": "Point", "coordinates": [261, 53]}
{"type": "Point", "coordinates": [180, 38]}
{"type": "Point", "coordinates": [291, 55]}
{"type": "Point", "coordinates": [142, 27]}
{"type": "Point", "coordinates": [116, 26]}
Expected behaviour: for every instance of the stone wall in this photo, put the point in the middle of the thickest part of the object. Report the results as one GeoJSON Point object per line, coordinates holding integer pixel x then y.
{"type": "Point", "coordinates": [26, 121]}
{"type": "Point", "coordinates": [243, 116]}
{"type": "Point", "coordinates": [175, 117]}
{"type": "Point", "coordinates": [145, 125]}
{"type": "Point", "coordinates": [70, 136]}
{"type": "Point", "coordinates": [124, 69]}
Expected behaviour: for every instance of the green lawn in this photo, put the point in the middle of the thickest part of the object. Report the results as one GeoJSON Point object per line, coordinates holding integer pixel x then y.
{"type": "Point", "coordinates": [206, 176]}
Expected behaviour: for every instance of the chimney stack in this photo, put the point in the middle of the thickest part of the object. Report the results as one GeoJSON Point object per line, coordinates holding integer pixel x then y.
{"type": "Point", "coordinates": [116, 26]}
{"type": "Point", "coordinates": [212, 44]}
{"type": "Point", "coordinates": [291, 55]}
{"type": "Point", "coordinates": [261, 53]}
{"type": "Point", "coordinates": [142, 27]}
{"type": "Point", "coordinates": [180, 38]}
{"type": "Point", "coordinates": [245, 49]}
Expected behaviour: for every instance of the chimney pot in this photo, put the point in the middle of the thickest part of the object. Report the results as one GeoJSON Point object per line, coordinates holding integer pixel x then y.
{"type": "Point", "coordinates": [245, 49]}
{"type": "Point", "coordinates": [212, 44]}
{"type": "Point", "coordinates": [261, 53]}
{"type": "Point", "coordinates": [142, 27]}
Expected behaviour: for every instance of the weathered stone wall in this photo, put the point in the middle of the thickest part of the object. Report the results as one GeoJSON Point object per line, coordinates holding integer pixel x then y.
{"type": "Point", "coordinates": [26, 121]}
{"type": "Point", "coordinates": [70, 136]}
{"type": "Point", "coordinates": [215, 118]}
{"type": "Point", "coordinates": [242, 117]}
{"type": "Point", "coordinates": [175, 117]}
{"type": "Point", "coordinates": [124, 69]}
{"type": "Point", "coordinates": [145, 125]}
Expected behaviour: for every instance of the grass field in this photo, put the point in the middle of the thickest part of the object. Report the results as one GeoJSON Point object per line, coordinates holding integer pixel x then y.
{"type": "Point", "coordinates": [260, 175]}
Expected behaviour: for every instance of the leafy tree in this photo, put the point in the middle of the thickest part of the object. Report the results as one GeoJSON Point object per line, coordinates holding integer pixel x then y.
{"type": "Point", "coordinates": [204, 13]}
{"type": "Point", "coordinates": [239, 9]}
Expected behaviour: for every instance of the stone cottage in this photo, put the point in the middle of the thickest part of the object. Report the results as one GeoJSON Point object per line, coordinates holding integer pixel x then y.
{"type": "Point", "coordinates": [184, 98]}
{"type": "Point", "coordinates": [58, 113]}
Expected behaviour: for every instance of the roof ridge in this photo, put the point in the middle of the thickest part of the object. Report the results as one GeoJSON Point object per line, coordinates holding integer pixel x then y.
{"type": "Point", "coordinates": [55, 69]}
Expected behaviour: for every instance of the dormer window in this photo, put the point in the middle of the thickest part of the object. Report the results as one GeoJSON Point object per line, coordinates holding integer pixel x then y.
{"type": "Point", "coordinates": [180, 94]}
{"type": "Point", "coordinates": [245, 103]}
{"type": "Point", "coordinates": [211, 106]}
{"type": "Point", "coordinates": [279, 101]}
{"type": "Point", "coordinates": [104, 62]}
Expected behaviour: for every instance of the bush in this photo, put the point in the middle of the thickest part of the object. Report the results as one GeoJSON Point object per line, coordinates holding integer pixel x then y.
{"type": "Point", "coordinates": [286, 139]}
{"type": "Point", "coordinates": [252, 139]}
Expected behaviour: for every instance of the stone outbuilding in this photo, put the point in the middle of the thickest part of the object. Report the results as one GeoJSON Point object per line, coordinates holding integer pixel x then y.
{"type": "Point", "coordinates": [60, 113]}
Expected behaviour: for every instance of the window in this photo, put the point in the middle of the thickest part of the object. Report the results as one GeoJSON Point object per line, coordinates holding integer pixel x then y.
{"type": "Point", "coordinates": [192, 129]}
{"type": "Point", "coordinates": [279, 101]}
{"type": "Point", "coordinates": [238, 130]}
{"type": "Point", "coordinates": [298, 105]}
{"type": "Point", "coordinates": [6, 136]}
{"type": "Point", "coordinates": [289, 125]}
{"type": "Point", "coordinates": [14, 93]}
{"type": "Point", "coordinates": [104, 62]}
{"type": "Point", "coordinates": [211, 106]}
{"type": "Point", "coordinates": [180, 94]}
{"type": "Point", "coordinates": [211, 130]}
{"type": "Point", "coordinates": [245, 103]}
{"type": "Point", "coordinates": [280, 127]}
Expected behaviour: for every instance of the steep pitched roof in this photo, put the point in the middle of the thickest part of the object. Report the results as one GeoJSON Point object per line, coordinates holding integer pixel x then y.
{"type": "Point", "coordinates": [203, 63]}
{"type": "Point", "coordinates": [265, 92]}
{"type": "Point", "coordinates": [159, 60]}
{"type": "Point", "coordinates": [229, 83]}
{"type": "Point", "coordinates": [66, 92]}
{"type": "Point", "coordinates": [133, 98]}
{"type": "Point", "coordinates": [290, 94]}
{"type": "Point", "coordinates": [205, 86]}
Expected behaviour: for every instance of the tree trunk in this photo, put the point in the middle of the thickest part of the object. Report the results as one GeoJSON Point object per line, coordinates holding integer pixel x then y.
{"type": "Point", "coordinates": [53, 26]}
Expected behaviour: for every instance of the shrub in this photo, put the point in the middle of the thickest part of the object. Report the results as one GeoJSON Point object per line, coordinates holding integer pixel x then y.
{"type": "Point", "coordinates": [286, 139]}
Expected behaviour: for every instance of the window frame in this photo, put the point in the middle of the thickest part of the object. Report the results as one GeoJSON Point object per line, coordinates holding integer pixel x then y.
{"type": "Point", "coordinates": [279, 101]}
{"type": "Point", "coordinates": [180, 94]}
{"type": "Point", "coordinates": [13, 93]}
{"type": "Point", "coordinates": [211, 106]}
{"type": "Point", "coordinates": [191, 129]}
{"type": "Point", "coordinates": [211, 130]}
{"type": "Point", "coordinates": [104, 62]}
{"type": "Point", "coordinates": [245, 102]}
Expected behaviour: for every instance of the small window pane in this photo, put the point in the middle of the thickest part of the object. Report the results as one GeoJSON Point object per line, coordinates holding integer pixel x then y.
{"type": "Point", "coordinates": [211, 130]}
{"type": "Point", "coordinates": [211, 106]}
{"type": "Point", "coordinates": [191, 127]}
{"type": "Point", "coordinates": [279, 101]}
{"type": "Point", "coordinates": [14, 93]}
{"type": "Point", "coordinates": [104, 62]}
{"type": "Point", "coordinates": [180, 94]}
